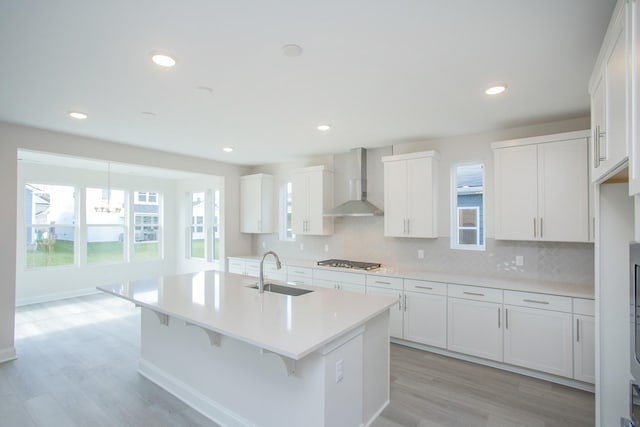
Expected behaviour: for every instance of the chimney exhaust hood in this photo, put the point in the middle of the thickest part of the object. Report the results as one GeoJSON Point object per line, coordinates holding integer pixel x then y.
{"type": "Point", "coordinates": [357, 174]}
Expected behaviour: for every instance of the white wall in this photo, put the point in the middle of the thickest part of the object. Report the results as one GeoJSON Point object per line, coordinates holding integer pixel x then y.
{"type": "Point", "coordinates": [15, 137]}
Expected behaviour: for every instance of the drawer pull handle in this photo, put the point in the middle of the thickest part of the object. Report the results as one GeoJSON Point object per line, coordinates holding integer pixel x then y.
{"type": "Point", "coordinates": [399, 302]}
{"type": "Point", "coordinates": [535, 301]}
{"type": "Point", "coordinates": [382, 283]}
{"type": "Point", "coordinates": [577, 330]}
{"type": "Point", "coordinates": [424, 287]}
{"type": "Point", "coordinates": [473, 293]}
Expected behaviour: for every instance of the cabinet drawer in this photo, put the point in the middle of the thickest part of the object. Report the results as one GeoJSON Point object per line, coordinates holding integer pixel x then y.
{"type": "Point", "coordinates": [584, 306]}
{"type": "Point", "coordinates": [339, 276]}
{"type": "Point", "coordinates": [252, 268]}
{"type": "Point", "coordinates": [475, 293]}
{"type": "Point", "coordinates": [300, 272]}
{"type": "Point", "coordinates": [375, 281]}
{"type": "Point", "coordinates": [425, 287]}
{"type": "Point", "coordinates": [236, 266]}
{"type": "Point", "coordinates": [542, 301]}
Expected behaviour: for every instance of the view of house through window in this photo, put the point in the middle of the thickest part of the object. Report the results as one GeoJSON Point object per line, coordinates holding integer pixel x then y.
{"type": "Point", "coordinates": [105, 218]}
{"type": "Point", "coordinates": [467, 218]}
{"type": "Point", "coordinates": [146, 221]}
{"type": "Point", "coordinates": [198, 234]}
{"type": "Point", "coordinates": [216, 226]}
{"type": "Point", "coordinates": [50, 224]}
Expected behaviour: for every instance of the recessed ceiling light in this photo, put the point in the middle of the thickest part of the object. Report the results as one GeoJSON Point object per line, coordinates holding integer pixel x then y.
{"type": "Point", "coordinates": [324, 128]}
{"type": "Point", "coordinates": [227, 149]}
{"type": "Point", "coordinates": [292, 50]}
{"type": "Point", "coordinates": [495, 90]}
{"type": "Point", "coordinates": [77, 115]}
{"type": "Point", "coordinates": [163, 60]}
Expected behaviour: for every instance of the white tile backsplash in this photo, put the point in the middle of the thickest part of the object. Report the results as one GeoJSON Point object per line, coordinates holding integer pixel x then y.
{"type": "Point", "coordinates": [361, 239]}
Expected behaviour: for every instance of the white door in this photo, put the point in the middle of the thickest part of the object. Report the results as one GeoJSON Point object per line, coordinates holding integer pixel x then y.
{"type": "Point", "coordinates": [563, 191]}
{"type": "Point", "coordinates": [584, 366]}
{"type": "Point", "coordinates": [395, 198]}
{"type": "Point", "coordinates": [538, 339]}
{"type": "Point", "coordinates": [475, 328]}
{"type": "Point", "coordinates": [425, 319]}
{"type": "Point", "coordinates": [299, 202]}
{"type": "Point", "coordinates": [420, 198]}
{"type": "Point", "coordinates": [516, 193]}
{"type": "Point", "coordinates": [395, 313]}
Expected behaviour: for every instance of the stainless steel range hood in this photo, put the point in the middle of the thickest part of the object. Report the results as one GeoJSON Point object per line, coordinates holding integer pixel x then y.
{"type": "Point", "coordinates": [357, 174]}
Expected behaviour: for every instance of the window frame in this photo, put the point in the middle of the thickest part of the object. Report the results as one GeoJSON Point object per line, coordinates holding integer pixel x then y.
{"type": "Point", "coordinates": [285, 205]}
{"type": "Point", "coordinates": [454, 212]}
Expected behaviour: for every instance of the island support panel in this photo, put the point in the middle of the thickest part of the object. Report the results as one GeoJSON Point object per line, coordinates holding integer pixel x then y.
{"type": "Point", "coordinates": [235, 384]}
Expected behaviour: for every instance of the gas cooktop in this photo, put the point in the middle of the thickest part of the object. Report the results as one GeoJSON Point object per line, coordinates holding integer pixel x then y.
{"type": "Point", "coordinates": [343, 263]}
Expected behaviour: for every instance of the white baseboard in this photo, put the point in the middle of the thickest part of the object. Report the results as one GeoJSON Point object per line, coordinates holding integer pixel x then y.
{"type": "Point", "coordinates": [8, 354]}
{"type": "Point", "coordinates": [192, 397]}
{"type": "Point", "coordinates": [377, 414]}
{"type": "Point", "coordinates": [54, 296]}
{"type": "Point", "coordinates": [505, 367]}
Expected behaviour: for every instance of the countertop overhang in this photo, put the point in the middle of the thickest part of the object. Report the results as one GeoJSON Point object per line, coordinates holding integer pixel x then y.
{"type": "Point", "coordinates": [223, 303]}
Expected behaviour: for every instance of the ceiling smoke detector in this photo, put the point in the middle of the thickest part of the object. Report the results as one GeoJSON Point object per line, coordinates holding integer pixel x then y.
{"type": "Point", "coordinates": [291, 50]}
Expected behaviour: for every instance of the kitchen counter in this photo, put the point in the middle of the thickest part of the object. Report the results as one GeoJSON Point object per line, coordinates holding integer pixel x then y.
{"type": "Point", "coordinates": [582, 290]}
{"type": "Point", "coordinates": [318, 359]}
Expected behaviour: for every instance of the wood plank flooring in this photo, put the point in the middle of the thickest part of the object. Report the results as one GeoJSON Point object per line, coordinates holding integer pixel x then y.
{"type": "Point", "coordinates": [77, 362]}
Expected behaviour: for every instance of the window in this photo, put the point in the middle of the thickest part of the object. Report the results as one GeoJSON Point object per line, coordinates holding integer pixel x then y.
{"type": "Point", "coordinates": [146, 225]}
{"type": "Point", "coordinates": [286, 227]}
{"type": "Point", "coordinates": [49, 225]}
{"type": "Point", "coordinates": [105, 216]}
{"type": "Point", "coordinates": [216, 225]}
{"type": "Point", "coordinates": [467, 213]}
{"type": "Point", "coordinates": [197, 225]}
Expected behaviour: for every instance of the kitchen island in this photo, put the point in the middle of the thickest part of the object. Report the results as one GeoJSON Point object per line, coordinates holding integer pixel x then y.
{"type": "Point", "coordinates": [248, 359]}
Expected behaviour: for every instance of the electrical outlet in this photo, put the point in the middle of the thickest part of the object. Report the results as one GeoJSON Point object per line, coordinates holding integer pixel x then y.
{"type": "Point", "coordinates": [326, 248]}
{"type": "Point", "coordinates": [519, 260]}
{"type": "Point", "coordinates": [301, 246]}
{"type": "Point", "coordinates": [420, 253]}
{"type": "Point", "coordinates": [339, 371]}
{"type": "Point", "coordinates": [264, 244]}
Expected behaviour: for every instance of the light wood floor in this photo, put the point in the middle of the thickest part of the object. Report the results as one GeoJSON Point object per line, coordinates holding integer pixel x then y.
{"type": "Point", "coordinates": [77, 362]}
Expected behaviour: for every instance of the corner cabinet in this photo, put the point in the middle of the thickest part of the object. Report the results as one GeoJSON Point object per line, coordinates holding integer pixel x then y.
{"type": "Point", "coordinates": [609, 87]}
{"type": "Point", "coordinates": [542, 188]}
{"type": "Point", "coordinates": [311, 195]}
{"type": "Point", "coordinates": [410, 195]}
{"type": "Point", "coordinates": [256, 204]}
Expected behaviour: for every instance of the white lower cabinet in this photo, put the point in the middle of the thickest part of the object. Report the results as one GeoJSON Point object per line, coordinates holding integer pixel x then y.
{"type": "Point", "coordinates": [474, 326]}
{"type": "Point", "coordinates": [538, 339]}
{"type": "Point", "coordinates": [395, 313]}
{"type": "Point", "coordinates": [584, 365]}
{"type": "Point", "coordinates": [300, 275]}
{"type": "Point", "coordinates": [352, 282]}
{"type": "Point", "coordinates": [425, 312]}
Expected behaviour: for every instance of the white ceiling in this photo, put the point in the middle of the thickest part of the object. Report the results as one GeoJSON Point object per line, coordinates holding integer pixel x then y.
{"type": "Point", "coordinates": [380, 72]}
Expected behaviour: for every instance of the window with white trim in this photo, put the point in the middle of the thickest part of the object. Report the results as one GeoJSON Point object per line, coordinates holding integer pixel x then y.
{"type": "Point", "coordinates": [286, 221]}
{"type": "Point", "coordinates": [467, 206]}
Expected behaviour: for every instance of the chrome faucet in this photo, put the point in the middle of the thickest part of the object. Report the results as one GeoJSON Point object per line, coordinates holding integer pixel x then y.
{"type": "Point", "coordinates": [278, 265]}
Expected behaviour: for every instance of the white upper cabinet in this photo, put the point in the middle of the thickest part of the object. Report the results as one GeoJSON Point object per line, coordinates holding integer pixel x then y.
{"type": "Point", "coordinates": [311, 194]}
{"type": "Point", "coordinates": [256, 204]}
{"type": "Point", "coordinates": [410, 195]}
{"type": "Point", "coordinates": [542, 188]}
{"type": "Point", "coordinates": [634, 105]}
{"type": "Point", "coordinates": [609, 88]}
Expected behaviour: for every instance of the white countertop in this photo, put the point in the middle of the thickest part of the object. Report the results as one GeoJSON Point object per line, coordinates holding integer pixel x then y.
{"type": "Point", "coordinates": [575, 290]}
{"type": "Point", "coordinates": [221, 302]}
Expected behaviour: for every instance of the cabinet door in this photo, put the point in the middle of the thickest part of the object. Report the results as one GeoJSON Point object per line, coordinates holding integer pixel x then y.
{"type": "Point", "coordinates": [249, 205]}
{"type": "Point", "coordinates": [425, 318]}
{"type": "Point", "coordinates": [395, 198]}
{"type": "Point", "coordinates": [475, 328]}
{"type": "Point", "coordinates": [236, 266]}
{"type": "Point", "coordinates": [563, 191]}
{"type": "Point", "coordinates": [420, 198]}
{"type": "Point", "coordinates": [634, 124]}
{"type": "Point", "coordinates": [612, 146]}
{"type": "Point", "coordinates": [315, 194]}
{"type": "Point", "coordinates": [584, 366]}
{"type": "Point", "coordinates": [299, 202]}
{"type": "Point", "coordinates": [598, 127]}
{"type": "Point", "coordinates": [516, 193]}
{"type": "Point", "coordinates": [395, 313]}
{"type": "Point", "coordinates": [538, 339]}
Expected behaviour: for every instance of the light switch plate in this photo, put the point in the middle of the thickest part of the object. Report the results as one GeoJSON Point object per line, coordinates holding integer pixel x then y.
{"type": "Point", "coordinates": [420, 253]}
{"type": "Point", "coordinates": [519, 260]}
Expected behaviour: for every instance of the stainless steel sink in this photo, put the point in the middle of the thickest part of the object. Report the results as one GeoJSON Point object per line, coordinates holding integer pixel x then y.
{"type": "Point", "coordinates": [281, 289]}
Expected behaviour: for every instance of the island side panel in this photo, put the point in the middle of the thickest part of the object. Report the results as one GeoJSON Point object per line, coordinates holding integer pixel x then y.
{"type": "Point", "coordinates": [235, 385]}
{"type": "Point", "coordinates": [376, 370]}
